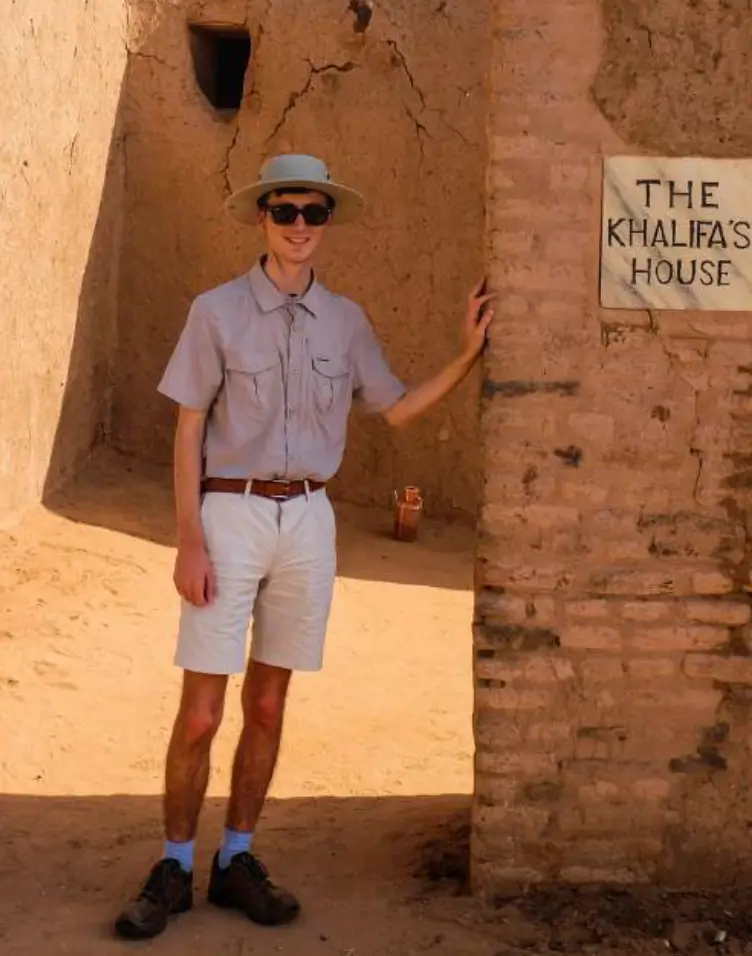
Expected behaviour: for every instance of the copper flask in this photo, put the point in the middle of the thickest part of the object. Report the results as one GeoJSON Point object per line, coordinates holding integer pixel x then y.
{"type": "Point", "coordinates": [408, 510]}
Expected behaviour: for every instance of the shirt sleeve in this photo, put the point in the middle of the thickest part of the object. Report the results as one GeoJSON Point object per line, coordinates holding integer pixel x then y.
{"type": "Point", "coordinates": [195, 370]}
{"type": "Point", "coordinates": [375, 385]}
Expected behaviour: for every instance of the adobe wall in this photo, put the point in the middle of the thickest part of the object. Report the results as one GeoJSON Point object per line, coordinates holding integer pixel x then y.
{"type": "Point", "coordinates": [61, 72]}
{"type": "Point", "coordinates": [612, 641]}
{"type": "Point", "coordinates": [398, 109]}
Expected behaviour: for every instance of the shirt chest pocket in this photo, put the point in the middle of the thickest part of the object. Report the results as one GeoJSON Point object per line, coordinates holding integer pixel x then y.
{"type": "Point", "coordinates": [331, 383]}
{"type": "Point", "coordinates": [254, 383]}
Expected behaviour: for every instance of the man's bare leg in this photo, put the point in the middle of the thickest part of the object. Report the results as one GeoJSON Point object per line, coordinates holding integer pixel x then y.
{"type": "Point", "coordinates": [169, 887]}
{"type": "Point", "coordinates": [188, 755]}
{"type": "Point", "coordinates": [264, 696]}
{"type": "Point", "coordinates": [238, 880]}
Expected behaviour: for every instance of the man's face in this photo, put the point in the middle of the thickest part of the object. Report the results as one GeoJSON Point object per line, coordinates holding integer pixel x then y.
{"type": "Point", "coordinates": [295, 242]}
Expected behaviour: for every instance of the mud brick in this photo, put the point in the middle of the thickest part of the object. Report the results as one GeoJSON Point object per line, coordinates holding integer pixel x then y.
{"type": "Point", "coordinates": [648, 610]}
{"type": "Point", "coordinates": [603, 818]}
{"type": "Point", "coordinates": [652, 788]}
{"type": "Point", "coordinates": [728, 670]}
{"type": "Point", "coordinates": [592, 637]}
{"type": "Point", "coordinates": [700, 703]}
{"type": "Point", "coordinates": [513, 243]}
{"type": "Point", "coordinates": [490, 634]}
{"type": "Point", "coordinates": [525, 822]}
{"type": "Point", "coordinates": [584, 490]}
{"type": "Point", "coordinates": [589, 609]}
{"type": "Point", "coordinates": [497, 789]}
{"type": "Point", "coordinates": [730, 613]}
{"type": "Point", "coordinates": [498, 876]}
{"type": "Point", "coordinates": [647, 668]}
{"type": "Point", "coordinates": [574, 176]}
{"type": "Point", "coordinates": [519, 764]}
{"type": "Point", "coordinates": [680, 638]}
{"type": "Point", "coordinates": [496, 732]}
{"type": "Point", "coordinates": [633, 582]}
{"type": "Point", "coordinates": [602, 875]}
{"type": "Point", "coordinates": [711, 582]}
{"type": "Point", "coordinates": [530, 578]}
{"type": "Point", "coordinates": [593, 427]}
{"type": "Point", "coordinates": [512, 698]}
{"type": "Point", "coordinates": [532, 611]}
{"type": "Point", "coordinates": [632, 852]}
{"type": "Point", "coordinates": [598, 670]}
{"type": "Point", "coordinates": [520, 670]}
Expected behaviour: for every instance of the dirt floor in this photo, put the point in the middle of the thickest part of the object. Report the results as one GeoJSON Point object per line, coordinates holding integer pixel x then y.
{"type": "Point", "coordinates": [376, 758]}
{"type": "Point", "coordinates": [368, 821]}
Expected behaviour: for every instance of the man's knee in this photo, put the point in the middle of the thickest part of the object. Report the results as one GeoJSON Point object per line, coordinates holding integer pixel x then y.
{"type": "Point", "coordinates": [265, 710]}
{"type": "Point", "coordinates": [264, 697]}
{"type": "Point", "coordinates": [200, 723]}
{"type": "Point", "coordinates": [201, 711]}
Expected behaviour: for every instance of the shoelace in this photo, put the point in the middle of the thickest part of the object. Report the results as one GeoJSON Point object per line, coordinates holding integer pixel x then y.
{"type": "Point", "coordinates": [156, 885]}
{"type": "Point", "coordinates": [254, 866]}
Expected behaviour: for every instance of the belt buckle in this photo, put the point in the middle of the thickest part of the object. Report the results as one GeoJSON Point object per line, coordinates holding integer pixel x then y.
{"type": "Point", "coordinates": [280, 497]}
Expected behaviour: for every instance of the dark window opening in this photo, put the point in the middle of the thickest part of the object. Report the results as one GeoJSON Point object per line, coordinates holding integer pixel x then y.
{"type": "Point", "coordinates": [220, 58]}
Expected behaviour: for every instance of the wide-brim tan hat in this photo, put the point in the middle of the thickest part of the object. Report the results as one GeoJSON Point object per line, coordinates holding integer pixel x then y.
{"type": "Point", "coordinates": [295, 171]}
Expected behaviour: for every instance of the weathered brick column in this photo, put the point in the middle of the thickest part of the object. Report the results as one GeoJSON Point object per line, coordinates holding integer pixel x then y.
{"type": "Point", "coordinates": [612, 667]}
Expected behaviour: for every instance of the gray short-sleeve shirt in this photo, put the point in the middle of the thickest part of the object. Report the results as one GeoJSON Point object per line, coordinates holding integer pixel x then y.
{"type": "Point", "coordinates": [277, 375]}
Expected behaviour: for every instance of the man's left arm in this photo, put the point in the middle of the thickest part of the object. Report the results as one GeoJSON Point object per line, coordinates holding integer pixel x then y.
{"type": "Point", "coordinates": [419, 399]}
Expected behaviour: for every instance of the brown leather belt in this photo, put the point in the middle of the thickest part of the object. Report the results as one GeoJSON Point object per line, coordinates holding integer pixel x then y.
{"type": "Point", "coordinates": [280, 490]}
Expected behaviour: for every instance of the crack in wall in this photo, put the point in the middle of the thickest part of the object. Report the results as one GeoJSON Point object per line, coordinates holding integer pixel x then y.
{"type": "Point", "coordinates": [654, 329]}
{"type": "Point", "coordinates": [225, 170]}
{"type": "Point", "coordinates": [700, 464]}
{"type": "Point", "coordinates": [611, 332]}
{"type": "Point", "coordinates": [407, 71]}
{"type": "Point", "coordinates": [146, 56]}
{"type": "Point", "coordinates": [453, 129]}
{"type": "Point", "coordinates": [72, 153]}
{"type": "Point", "coordinates": [420, 128]}
{"type": "Point", "coordinates": [298, 95]}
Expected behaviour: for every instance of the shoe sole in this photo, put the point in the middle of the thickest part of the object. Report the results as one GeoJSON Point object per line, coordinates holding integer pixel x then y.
{"type": "Point", "coordinates": [225, 905]}
{"type": "Point", "coordinates": [125, 929]}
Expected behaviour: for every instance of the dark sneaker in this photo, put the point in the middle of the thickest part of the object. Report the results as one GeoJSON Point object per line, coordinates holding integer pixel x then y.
{"type": "Point", "coordinates": [167, 891]}
{"type": "Point", "coordinates": [245, 886]}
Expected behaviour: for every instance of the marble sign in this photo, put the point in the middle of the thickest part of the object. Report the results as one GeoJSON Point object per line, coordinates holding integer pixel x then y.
{"type": "Point", "coordinates": [676, 233]}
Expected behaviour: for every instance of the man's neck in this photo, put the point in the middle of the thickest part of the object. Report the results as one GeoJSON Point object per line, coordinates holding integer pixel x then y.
{"type": "Point", "coordinates": [289, 279]}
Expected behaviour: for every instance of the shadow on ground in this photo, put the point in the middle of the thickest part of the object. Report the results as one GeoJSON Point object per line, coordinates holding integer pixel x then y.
{"type": "Point", "coordinates": [131, 497]}
{"type": "Point", "coordinates": [367, 870]}
{"type": "Point", "coordinates": [382, 876]}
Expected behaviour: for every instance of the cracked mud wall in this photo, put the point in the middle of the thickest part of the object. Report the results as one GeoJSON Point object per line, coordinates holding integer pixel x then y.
{"type": "Point", "coordinates": [395, 103]}
{"type": "Point", "coordinates": [61, 74]}
{"type": "Point", "coordinates": [613, 702]}
{"type": "Point", "coordinates": [675, 77]}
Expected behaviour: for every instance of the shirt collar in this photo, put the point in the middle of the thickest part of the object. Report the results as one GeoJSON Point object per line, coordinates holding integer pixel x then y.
{"type": "Point", "coordinates": [269, 298]}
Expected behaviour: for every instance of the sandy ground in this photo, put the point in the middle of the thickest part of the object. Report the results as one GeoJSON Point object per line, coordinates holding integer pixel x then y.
{"type": "Point", "coordinates": [368, 820]}
{"type": "Point", "coordinates": [368, 817]}
{"type": "Point", "coordinates": [376, 759]}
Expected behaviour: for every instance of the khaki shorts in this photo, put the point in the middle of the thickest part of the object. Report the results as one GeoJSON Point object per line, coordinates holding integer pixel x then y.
{"type": "Point", "coordinates": [273, 561]}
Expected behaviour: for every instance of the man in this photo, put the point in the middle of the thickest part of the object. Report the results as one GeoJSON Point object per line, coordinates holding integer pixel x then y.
{"type": "Point", "coordinates": [264, 374]}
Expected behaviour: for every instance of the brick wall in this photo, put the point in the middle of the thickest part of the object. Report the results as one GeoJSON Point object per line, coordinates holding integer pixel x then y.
{"type": "Point", "coordinates": [612, 652]}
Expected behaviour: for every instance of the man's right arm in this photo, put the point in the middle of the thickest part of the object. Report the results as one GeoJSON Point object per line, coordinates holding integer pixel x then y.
{"type": "Point", "coordinates": [192, 379]}
{"type": "Point", "coordinates": [194, 577]}
{"type": "Point", "coordinates": [189, 441]}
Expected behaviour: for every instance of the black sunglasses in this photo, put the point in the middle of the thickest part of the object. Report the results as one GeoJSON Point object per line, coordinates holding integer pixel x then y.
{"type": "Point", "coordinates": [286, 213]}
